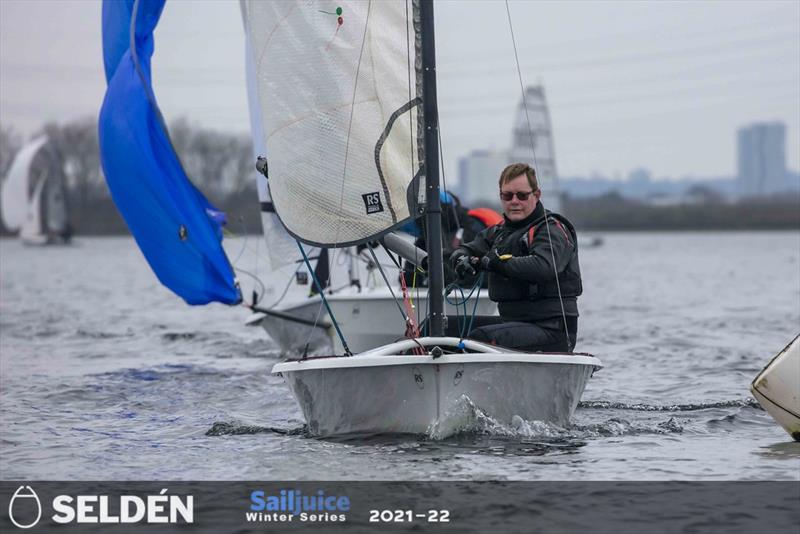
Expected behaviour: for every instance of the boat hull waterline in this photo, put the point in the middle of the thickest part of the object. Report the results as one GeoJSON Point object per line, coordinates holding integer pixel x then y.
{"type": "Point", "coordinates": [386, 391]}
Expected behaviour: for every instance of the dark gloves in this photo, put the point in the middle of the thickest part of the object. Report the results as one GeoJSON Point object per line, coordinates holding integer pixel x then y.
{"type": "Point", "coordinates": [491, 262]}
{"type": "Point", "coordinates": [463, 266]}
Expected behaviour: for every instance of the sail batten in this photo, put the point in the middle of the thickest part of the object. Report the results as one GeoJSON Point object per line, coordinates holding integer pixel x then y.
{"type": "Point", "coordinates": [340, 111]}
{"type": "Point", "coordinates": [177, 229]}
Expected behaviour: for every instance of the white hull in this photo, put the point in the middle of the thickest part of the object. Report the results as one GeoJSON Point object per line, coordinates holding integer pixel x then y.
{"type": "Point", "coordinates": [37, 240]}
{"type": "Point", "coordinates": [367, 319]}
{"type": "Point", "coordinates": [777, 388]}
{"type": "Point", "coordinates": [389, 391]}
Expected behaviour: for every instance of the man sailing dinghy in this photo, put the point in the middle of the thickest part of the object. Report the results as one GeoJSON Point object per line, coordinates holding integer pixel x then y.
{"type": "Point", "coordinates": [348, 98]}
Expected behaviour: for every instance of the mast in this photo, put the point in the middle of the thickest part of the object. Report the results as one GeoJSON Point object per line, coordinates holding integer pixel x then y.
{"type": "Point", "coordinates": [433, 214]}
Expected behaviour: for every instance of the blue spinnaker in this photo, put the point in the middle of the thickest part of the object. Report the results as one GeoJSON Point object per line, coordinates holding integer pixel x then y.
{"type": "Point", "coordinates": [176, 227]}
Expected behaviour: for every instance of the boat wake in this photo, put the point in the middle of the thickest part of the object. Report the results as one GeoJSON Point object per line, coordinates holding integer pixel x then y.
{"type": "Point", "coordinates": [466, 418]}
{"type": "Point", "coordinates": [235, 428]}
{"type": "Point", "coordinates": [639, 407]}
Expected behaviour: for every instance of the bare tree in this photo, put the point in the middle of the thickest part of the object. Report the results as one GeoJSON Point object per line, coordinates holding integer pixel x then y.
{"type": "Point", "coordinates": [10, 143]}
{"type": "Point", "coordinates": [76, 145]}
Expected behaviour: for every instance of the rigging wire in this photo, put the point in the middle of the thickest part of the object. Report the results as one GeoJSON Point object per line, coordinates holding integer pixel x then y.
{"type": "Point", "coordinates": [324, 301]}
{"type": "Point", "coordinates": [258, 241]}
{"type": "Point", "coordinates": [244, 243]}
{"type": "Point", "coordinates": [391, 291]}
{"type": "Point", "coordinates": [533, 151]}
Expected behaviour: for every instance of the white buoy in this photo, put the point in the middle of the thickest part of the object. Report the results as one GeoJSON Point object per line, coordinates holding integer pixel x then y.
{"type": "Point", "coordinates": [777, 388]}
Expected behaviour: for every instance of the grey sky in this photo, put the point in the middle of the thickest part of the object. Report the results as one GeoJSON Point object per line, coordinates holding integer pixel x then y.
{"type": "Point", "coordinates": [662, 85]}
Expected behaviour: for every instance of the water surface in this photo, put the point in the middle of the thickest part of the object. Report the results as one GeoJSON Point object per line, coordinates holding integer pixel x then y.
{"type": "Point", "coordinates": [105, 375]}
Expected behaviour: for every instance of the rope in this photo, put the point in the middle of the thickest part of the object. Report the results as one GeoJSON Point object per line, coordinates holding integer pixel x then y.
{"type": "Point", "coordinates": [255, 277]}
{"type": "Point", "coordinates": [324, 301]}
{"type": "Point", "coordinates": [479, 283]}
{"type": "Point", "coordinates": [464, 301]}
{"type": "Point", "coordinates": [383, 274]}
{"type": "Point", "coordinates": [285, 289]}
{"type": "Point", "coordinates": [230, 234]}
{"type": "Point", "coordinates": [412, 330]}
{"type": "Point", "coordinates": [535, 165]}
{"type": "Point", "coordinates": [415, 288]}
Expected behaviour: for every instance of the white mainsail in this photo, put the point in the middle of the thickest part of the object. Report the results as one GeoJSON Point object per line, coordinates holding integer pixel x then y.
{"type": "Point", "coordinates": [17, 185]}
{"type": "Point", "coordinates": [335, 107]}
{"type": "Point", "coordinates": [340, 105]}
{"type": "Point", "coordinates": [32, 229]}
{"type": "Point", "coordinates": [285, 260]}
{"type": "Point", "coordinates": [281, 248]}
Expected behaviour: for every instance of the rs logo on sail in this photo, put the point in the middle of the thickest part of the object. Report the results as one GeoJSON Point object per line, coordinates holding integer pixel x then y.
{"type": "Point", "coordinates": [372, 201]}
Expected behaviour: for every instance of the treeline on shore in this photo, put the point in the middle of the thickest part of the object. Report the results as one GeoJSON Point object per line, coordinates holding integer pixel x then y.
{"type": "Point", "coordinates": [99, 216]}
{"type": "Point", "coordinates": [221, 165]}
{"type": "Point", "coordinates": [613, 212]}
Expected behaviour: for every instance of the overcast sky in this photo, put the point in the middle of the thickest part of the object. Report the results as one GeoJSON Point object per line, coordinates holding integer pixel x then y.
{"type": "Point", "coordinates": [661, 85]}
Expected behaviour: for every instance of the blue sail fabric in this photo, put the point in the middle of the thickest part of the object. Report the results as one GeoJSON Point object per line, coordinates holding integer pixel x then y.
{"type": "Point", "coordinates": [175, 226]}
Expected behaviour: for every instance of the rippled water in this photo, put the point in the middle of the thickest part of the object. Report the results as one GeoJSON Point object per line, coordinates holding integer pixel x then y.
{"type": "Point", "coordinates": [104, 374]}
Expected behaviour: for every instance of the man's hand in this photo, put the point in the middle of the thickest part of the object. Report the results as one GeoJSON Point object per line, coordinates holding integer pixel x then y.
{"type": "Point", "coordinates": [464, 266]}
{"type": "Point", "coordinates": [491, 262]}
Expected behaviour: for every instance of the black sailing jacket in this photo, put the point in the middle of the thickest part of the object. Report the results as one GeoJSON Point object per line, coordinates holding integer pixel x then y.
{"type": "Point", "coordinates": [524, 286]}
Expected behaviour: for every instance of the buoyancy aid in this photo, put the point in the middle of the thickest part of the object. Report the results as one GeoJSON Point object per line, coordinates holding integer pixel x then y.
{"type": "Point", "coordinates": [521, 299]}
{"type": "Point", "coordinates": [487, 216]}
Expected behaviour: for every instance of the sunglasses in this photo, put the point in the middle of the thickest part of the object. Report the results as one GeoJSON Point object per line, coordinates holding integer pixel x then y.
{"type": "Point", "coordinates": [521, 195]}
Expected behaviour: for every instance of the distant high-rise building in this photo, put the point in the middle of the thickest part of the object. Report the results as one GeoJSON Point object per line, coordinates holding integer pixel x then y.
{"type": "Point", "coordinates": [478, 174]}
{"type": "Point", "coordinates": [762, 159]}
{"type": "Point", "coordinates": [532, 143]}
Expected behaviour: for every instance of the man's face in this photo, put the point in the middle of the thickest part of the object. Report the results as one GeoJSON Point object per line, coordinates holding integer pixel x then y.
{"type": "Point", "coordinates": [514, 208]}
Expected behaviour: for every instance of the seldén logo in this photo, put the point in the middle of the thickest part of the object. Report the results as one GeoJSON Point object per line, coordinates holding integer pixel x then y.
{"type": "Point", "coordinates": [25, 508]}
{"type": "Point", "coordinates": [22, 508]}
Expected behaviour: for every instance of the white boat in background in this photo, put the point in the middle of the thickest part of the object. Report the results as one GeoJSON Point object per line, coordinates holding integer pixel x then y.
{"type": "Point", "coordinates": [368, 318]}
{"type": "Point", "coordinates": [777, 388]}
{"type": "Point", "coordinates": [352, 157]}
{"type": "Point", "coordinates": [34, 196]}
